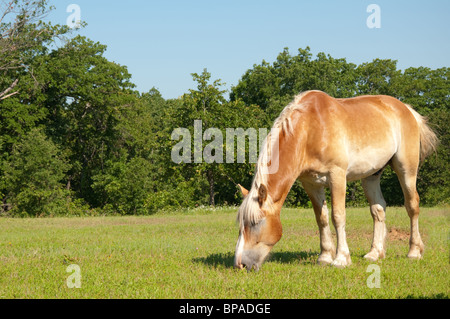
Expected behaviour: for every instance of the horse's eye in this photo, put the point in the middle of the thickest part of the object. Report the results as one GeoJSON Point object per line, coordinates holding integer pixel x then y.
{"type": "Point", "coordinates": [258, 223]}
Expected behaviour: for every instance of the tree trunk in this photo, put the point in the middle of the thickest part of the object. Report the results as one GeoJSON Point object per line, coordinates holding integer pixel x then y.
{"type": "Point", "coordinates": [353, 193]}
{"type": "Point", "coordinates": [210, 176]}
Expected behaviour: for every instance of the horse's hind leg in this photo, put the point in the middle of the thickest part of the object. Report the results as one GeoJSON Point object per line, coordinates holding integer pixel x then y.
{"type": "Point", "coordinates": [407, 175]}
{"type": "Point", "coordinates": [371, 186]}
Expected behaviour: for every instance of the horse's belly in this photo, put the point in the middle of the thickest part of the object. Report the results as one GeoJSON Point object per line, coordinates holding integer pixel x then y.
{"type": "Point", "coordinates": [367, 162]}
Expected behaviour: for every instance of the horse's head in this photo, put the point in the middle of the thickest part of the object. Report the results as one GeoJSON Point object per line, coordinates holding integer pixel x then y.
{"type": "Point", "coordinates": [260, 228]}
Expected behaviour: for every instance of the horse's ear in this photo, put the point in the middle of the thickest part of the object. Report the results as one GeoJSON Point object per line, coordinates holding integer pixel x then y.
{"type": "Point", "coordinates": [243, 190]}
{"type": "Point", "coordinates": [262, 194]}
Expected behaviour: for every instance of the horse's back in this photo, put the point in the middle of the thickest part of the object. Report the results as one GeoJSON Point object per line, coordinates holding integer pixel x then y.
{"type": "Point", "coordinates": [360, 106]}
{"type": "Point", "coordinates": [361, 134]}
{"type": "Point", "coordinates": [361, 117]}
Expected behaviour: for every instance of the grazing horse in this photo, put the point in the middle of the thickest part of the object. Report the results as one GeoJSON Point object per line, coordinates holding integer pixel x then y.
{"type": "Point", "coordinates": [327, 142]}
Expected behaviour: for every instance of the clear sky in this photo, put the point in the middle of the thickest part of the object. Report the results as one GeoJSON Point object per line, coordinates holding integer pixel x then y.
{"type": "Point", "coordinates": [163, 42]}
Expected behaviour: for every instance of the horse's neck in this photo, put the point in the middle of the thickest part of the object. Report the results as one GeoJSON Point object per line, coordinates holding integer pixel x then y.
{"type": "Point", "coordinates": [289, 168]}
{"type": "Point", "coordinates": [288, 151]}
{"type": "Point", "coordinates": [279, 187]}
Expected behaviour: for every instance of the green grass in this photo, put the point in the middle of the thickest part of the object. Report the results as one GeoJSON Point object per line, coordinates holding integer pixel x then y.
{"type": "Point", "coordinates": [190, 255]}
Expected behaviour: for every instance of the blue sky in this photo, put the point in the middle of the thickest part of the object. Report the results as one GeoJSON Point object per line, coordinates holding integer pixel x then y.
{"type": "Point", "coordinates": [163, 42]}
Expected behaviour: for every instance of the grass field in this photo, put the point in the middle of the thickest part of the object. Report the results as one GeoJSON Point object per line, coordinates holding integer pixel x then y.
{"type": "Point", "coordinates": [190, 255]}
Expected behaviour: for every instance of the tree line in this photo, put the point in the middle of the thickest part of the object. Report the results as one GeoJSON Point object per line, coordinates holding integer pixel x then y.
{"type": "Point", "coordinates": [76, 137]}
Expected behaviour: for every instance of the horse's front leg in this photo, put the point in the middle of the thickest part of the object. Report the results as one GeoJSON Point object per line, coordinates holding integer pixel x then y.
{"type": "Point", "coordinates": [338, 185]}
{"type": "Point", "coordinates": [317, 196]}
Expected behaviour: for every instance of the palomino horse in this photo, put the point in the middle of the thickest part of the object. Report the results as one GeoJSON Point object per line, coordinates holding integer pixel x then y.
{"type": "Point", "coordinates": [327, 142]}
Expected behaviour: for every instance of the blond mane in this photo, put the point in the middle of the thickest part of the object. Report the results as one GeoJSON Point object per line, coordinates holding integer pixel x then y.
{"type": "Point", "coordinates": [249, 211]}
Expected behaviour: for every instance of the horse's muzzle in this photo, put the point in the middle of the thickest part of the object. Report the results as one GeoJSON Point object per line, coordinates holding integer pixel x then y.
{"type": "Point", "coordinates": [249, 259]}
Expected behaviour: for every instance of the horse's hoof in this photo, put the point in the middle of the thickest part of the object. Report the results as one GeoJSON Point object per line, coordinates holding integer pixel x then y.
{"type": "Point", "coordinates": [341, 261]}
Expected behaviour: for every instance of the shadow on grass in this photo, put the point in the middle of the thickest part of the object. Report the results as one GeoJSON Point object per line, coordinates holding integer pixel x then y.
{"type": "Point", "coordinates": [217, 260]}
{"type": "Point", "coordinates": [435, 296]}
{"type": "Point", "coordinates": [285, 257]}
{"type": "Point", "coordinates": [288, 257]}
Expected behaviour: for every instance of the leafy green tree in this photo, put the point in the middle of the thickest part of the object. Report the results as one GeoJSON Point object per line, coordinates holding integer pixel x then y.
{"type": "Point", "coordinates": [34, 178]}
{"type": "Point", "coordinates": [424, 89]}
{"type": "Point", "coordinates": [23, 35]}
{"type": "Point", "coordinates": [137, 179]}
{"type": "Point", "coordinates": [267, 82]}
{"type": "Point", "coordinates": [208, 104]}
{"type": "Point", "coordinates": [272, 86]}
{"type": "Point", "coordinates": [378, 77]}
{"type": "Point", "coordinates": [126, 186]}
{"type": "Point", "coordinates": [23, 38]}
{"type": "Point", "coordinates": [82, 94]}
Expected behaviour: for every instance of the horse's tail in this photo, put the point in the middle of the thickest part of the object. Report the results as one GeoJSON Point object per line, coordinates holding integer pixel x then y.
{"type": "Point", "coordinates": [428, 139]}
